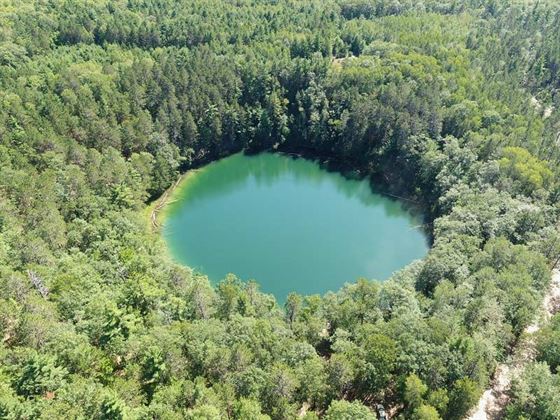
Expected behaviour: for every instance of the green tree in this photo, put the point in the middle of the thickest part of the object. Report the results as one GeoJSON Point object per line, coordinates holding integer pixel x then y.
{"type": "Point", "coordinates": [414, 391]}
{"type": "Point", "coordinates": [345, 410]}
{"type": "Point", "coordinates": [464, 395]}
{"type": "Point", "coordinates": [249, 409]}
{"type": "Point", "coordinates": [38, 375]}
{"type": "Point", "coordinates": [292, 307]}
{"type": "Point", "coordinates": [535, 394]}
{"type": "Point", "coordinates": [548, 343]}
{"type": "Point", "coordinates": [380, 354]}
{"type": "Point", "coordinates": [154, 370]}
{"type": "Point", "coordinates": [530, 172]}
{"type": "Point", "coordinates": [425, 412]}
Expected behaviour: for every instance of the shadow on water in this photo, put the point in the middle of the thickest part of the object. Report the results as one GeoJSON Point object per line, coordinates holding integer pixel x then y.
{"type": "Point", "coordinates": [378, 185]}
{"type": "Point", "coordinates": [292, 223]}
{"type": "Point", "coordinates": [396, 202]}
{"type": "Point", "coordinates": [265, 169]}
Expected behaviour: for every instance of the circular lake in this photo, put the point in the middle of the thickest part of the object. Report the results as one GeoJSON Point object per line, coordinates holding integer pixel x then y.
{"type": "Point", "coordinates": [289, 225]}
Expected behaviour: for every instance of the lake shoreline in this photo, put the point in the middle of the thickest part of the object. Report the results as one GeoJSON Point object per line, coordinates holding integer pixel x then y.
{"type": "Point", "coordinates": [288, 223]}
{"type": "Point", "coordinates": [382, 180]}
{"type": "Point", "coordinates": [380, 183]}
{"type": "Point", "coordinates": [157, 210]}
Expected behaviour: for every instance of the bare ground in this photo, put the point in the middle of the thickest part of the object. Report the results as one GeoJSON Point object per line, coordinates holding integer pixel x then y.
{"type": "Point", "coordinates": [163, 201]}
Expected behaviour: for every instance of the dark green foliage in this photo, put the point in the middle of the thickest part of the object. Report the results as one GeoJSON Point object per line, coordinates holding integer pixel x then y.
{"type": "Point", "coordinates": [464, 395]}
{"type": "Point", "coordinates": [450, 104]}
{"type": "Point", "coordinates": [37, 375]}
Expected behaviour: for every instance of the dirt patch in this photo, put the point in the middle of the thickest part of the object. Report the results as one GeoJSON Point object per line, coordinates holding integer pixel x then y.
{"type": "Point", "coordinates": [163, 201]}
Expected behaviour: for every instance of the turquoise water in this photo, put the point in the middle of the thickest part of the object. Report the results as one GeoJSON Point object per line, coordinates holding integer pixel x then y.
{"type": "Point", "coordinates": [289, 225]}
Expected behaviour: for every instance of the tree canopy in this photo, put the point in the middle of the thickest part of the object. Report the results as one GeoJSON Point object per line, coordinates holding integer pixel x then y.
{"type": "Point", "coordinates": [451, 104]}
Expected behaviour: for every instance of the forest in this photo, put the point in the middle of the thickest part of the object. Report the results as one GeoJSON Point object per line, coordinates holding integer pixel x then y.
{"type": "Point", "coordinates": [452, 103]}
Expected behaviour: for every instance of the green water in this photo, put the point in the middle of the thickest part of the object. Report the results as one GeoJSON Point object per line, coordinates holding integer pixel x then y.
{"type": "Point", "coordinates": [289, 225]}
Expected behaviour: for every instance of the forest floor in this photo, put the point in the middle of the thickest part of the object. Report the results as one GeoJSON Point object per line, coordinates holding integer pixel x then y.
{"type": "Point", "coordinates": [494, 400]}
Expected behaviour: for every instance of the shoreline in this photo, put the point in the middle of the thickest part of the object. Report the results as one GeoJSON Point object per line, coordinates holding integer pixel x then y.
{"type": "Point", "coordinates": [156, 210]}
{"type": "Point", "coordinates": [328, 163]}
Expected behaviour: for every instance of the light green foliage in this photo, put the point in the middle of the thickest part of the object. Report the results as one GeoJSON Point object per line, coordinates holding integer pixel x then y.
{"type": "Point", "coordinates": [439, 400]}
{"type": "Point", "coordinates": [292, 307]}
{"type": "Point", "coordinates": [425, 412]}
{"type": "Point", "coordinates": [379, 361]}
{"type": "Point", "coordinates": [111, 408]}
{"type": "Point", "coordinates": [535, 395]}
{"type": "Point", "coordinates": [345, 410]}
{"type": "Point", "coordinates": [250, 410]}
{"type": "Point", "coordinates": [103, 104]}
{"type": "Point", "coordinates": [37, 375]}
{"type": "Point", "coordinates": [415, 390]}
{"type": "Point", "coordinates": [521, 166]}
{"type": "Point", "coordinates": [154, 370]}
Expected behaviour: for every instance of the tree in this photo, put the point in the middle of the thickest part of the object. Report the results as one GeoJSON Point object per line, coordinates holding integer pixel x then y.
{"type": "Point", "coordinates": [112, 407]}
{"type": "Point", "coordinates": [345, 410]}
{"type": "Point", "coordinates": [548, 344]}
{"type": "Point", "coordinates": [425, 412]}
{"type": "Point", "coordinates": [154, 370]}
{"type": "Point", "coordinates": [380, 357]}
{"type": "Point", "coordinates": [440, 102]}
{"type": "Point", "coordinates": [529, 172]}
{"type": "Point", "coordinates": [38, 375]}
{"type": "Point", "coordinates": [10, 406]}
{"type": "Point", "coordinates": [464, 395]}
{"type": "Point", "coordinates": [292, 307]}
{"type": "Point", "coordinates": [249, 409]}
{"type": "Point", "coordinates": [535, 394]}
{"type": "Point", "coordinates": [414, 391]}
{"type": "Point", "coordinates": [165, 164]}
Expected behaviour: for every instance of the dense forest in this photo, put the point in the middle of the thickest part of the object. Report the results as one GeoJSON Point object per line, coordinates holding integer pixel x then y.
{"type": "Point", "coordinates": [452, 103]}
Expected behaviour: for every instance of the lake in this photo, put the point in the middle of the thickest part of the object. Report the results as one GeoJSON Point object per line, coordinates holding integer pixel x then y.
{"type": "Point", "coordinates": [288, 224]}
